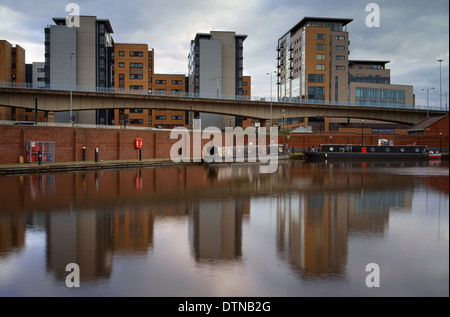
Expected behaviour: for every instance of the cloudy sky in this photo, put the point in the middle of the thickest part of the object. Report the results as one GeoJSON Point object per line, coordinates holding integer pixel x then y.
{"type": "Point", "coordinates": [413, 34]}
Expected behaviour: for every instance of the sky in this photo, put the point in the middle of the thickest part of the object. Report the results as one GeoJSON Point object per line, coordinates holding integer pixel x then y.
{"type": "Point", "coordinates": [413, 35]}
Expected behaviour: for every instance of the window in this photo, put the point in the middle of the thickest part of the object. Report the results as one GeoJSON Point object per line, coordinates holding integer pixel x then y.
{"type": "Point", "coordinates": [340, 37]}
{"type": "Point", "coordinates": [150, 79]}
{"type": "Point", "coordinates": [121, 65]}
{"type": "Point", "coordinates": [177, 82]}
{"type": "Point", "coordinates": [177, 118]}
{"type": "Point", "coordinates": [320, 67]}
{"type": "Point", "coordinates": [41, 70]}
{"type": "Point", "coordinates": [320, 47]}
{"type": "Point", "coordinates": [136, 76]}
{"type": "Point", "coordinates": [316, 78]}
{"type": "Point", "coordinates": [121, 76]}
{"type": "Point", "coordinates": [160, 117]}
{"type": "Point", "coordinates": [320, 57]}
{"type": "Point", "coordinates": [320, 36]}
{"type": "Point", "coordinates": [160, 82]}
{"type": "Point", "coordinates": [340, 48]}
{"type": "Point", "coordinates": [137, 54]}
{"type": "Point", "coordinates": [340, 57]}
{"type": "Point", "coordinates": [340, 67]}
{"type": "Point", "coordinates": [244, 83]}
{"type": "Point", "coordinates": [121, 53]}
{"type": "Point", "coordinates": [177, 90]}
{"type": "Point", "coordinates": [136, 111]}
{"type": "Point", "coordinates": [136, 87]}
{"type": "Point", "coordinates": [376, 67]}
{"type": "Point", "coordinates": [136, 65]}
{"type": "Point", "coordinates": [41, 79]}
{"type": "Point", "coordinates": [150, 69]}
{"type": "Point", "coordinates": [160, 90]}
{"type": "Point", "coordinates": [136, 121]}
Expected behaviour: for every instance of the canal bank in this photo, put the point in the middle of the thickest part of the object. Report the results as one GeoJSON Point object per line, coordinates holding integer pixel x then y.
{"type": "Point", "coordinates": [26, 168]}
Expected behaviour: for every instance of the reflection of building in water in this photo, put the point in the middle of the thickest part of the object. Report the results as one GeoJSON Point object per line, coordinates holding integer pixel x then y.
{"type": "Point", "coordinates": [133, 229]}
{"type": "Point", "coordinates": [312, 234]}
{"type": "Point", "coordinates": [12, 232]}
{"type": "Point", "coordinates": [81, 237]}
{"type": "Point", "coordinates": [313, 228]}
{"type": "Point", "coordinates": [216, 229]}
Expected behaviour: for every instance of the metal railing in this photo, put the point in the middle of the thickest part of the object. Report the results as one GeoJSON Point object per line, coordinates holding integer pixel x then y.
{"type": "Point", "coordinates": [58, 87]}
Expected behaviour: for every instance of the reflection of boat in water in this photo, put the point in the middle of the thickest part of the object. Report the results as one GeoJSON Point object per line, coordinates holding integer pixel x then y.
{"type": "Point", "coordinates": [246, 154]}
{"type": "Point", "coordinates": [349, 151]}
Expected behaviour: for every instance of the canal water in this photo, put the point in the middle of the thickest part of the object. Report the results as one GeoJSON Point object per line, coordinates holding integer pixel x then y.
{"type": "Point", "coordinates": [321, 229]}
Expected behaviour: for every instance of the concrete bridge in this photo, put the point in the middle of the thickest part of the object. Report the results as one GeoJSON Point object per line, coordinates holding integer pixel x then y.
{"type": "Point", "coordinates": [91, 98]}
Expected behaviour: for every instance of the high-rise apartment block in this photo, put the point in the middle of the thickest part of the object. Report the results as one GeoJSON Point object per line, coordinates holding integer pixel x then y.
{"type": "Point", "coordinates": [313, 64]}
{"type": "Point", "coordinates": [80, 56]}
{"type": "Point", "coordinates": [313, 60]}
{"type": "Point", "coordinates": [216, 63]}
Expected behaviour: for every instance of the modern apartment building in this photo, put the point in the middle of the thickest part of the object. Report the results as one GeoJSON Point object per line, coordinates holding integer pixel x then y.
{"type": "Point", "coordinates": [313, 63]}
{"type": "Point", "coordinates": [313, 60]}
{"type": "Point", "coordinates": [216, 62]}
{"type": "Point", "coordinates": [12, 70]}
{"type": "Point", "coordinates": [134, 70]}
{"type": "Point", "coordinates": [38, 74]}
{"type": "Point", "coordinates": [80, 56]}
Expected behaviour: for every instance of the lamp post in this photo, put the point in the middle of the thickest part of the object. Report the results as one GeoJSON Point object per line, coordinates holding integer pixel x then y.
{"type": "Point", "coordinates": [71, 88]}
{"type": "Point", "coordinates": [440, 136]}
{"type": "Point", "coordinates": [362, 132]}
{"type": "Point", "coordinates": [271, 73]}
{"type": "Point", "coordinates": [440, 83]}
{"type": "Point", "coordinates": [283, 112]}
{"type": "Point", "coordinates": [427, 89]}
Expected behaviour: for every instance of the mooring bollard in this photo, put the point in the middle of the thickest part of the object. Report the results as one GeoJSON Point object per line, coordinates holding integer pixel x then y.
{"type": "Point", "coordinates": [96, 155]}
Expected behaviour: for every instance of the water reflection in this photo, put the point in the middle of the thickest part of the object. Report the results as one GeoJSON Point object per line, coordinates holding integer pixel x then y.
{"type": "Point", "coordinates": [89, 218]}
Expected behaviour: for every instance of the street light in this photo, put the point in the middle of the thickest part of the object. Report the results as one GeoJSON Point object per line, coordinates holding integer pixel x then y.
{"type": "Point", "coordinates": [71, 87]}
{"type": "Point", "coordinates": [271, 73]}
{"type": "Point", "coordinates": [440, 83]}
{"type": "Point", "coordinates": [283, 112]}
{"type": "Point", "coordinates": [427, 89]}
{"type": "Point", "coordinates": [362, 132]}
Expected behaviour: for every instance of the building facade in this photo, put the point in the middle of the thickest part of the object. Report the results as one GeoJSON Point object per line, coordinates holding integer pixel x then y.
{"type": "Point", "coordinates": [313, 64]}
{"type": "Point", "coordinates": [216, 63]}
{"type": "Point", "coordinates": [80, 56]}
{"type": "Point", "coordinates": [12, 70]}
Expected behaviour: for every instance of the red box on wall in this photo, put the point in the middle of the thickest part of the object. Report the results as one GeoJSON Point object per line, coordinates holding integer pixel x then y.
{"type": "Point", "coordinates": [138, 143]}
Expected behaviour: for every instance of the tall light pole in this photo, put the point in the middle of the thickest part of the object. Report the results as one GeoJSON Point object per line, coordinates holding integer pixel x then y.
{"type": "Point", "coordinates": [362, 132]}
{"type": "Point", "coordinates": [71, 87]}
{"type": "Point", "coordinates": [427, 89]}
{"type": "Point", "coordinates": [440, 83]}
{"type": "Point", "coordinates": [271, 73]}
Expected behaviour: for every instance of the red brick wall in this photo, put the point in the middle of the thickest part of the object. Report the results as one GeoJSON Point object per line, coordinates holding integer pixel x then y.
{"type": "Point", "coordinates": [118, 144]}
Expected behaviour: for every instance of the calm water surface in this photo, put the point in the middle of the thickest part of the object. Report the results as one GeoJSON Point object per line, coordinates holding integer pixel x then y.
{"type": "Point", "coordinates": [310, 229]}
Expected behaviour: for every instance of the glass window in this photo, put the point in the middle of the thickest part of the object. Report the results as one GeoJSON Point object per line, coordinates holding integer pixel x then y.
{"type": "Point", "coordinates": [340, 57]}
{"type": "Point", "coordinates": [320, 67]}
{"type": "Point", "coordinates": [316, 78]}
{"type": "Point", "coordinates": [121, 53]}
{"type": "Point", "coordinates": [121, 65]}
{"type": "Point", "coordinates": [320, 46]}
{"type": "Point", "coordinates": [340, 67]}
{"type": "Point", "coordinates": [320, 36]}
{"type": "Point", "coordinates": [340, 37]}
{"type": "Point", "coordinates": [340, 48]}
{"type": "Point", "coordinates": [320, 57]}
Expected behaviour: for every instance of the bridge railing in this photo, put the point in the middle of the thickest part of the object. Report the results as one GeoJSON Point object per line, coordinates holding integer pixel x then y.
{"type": "Point", "coordinates": [61, 87]}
